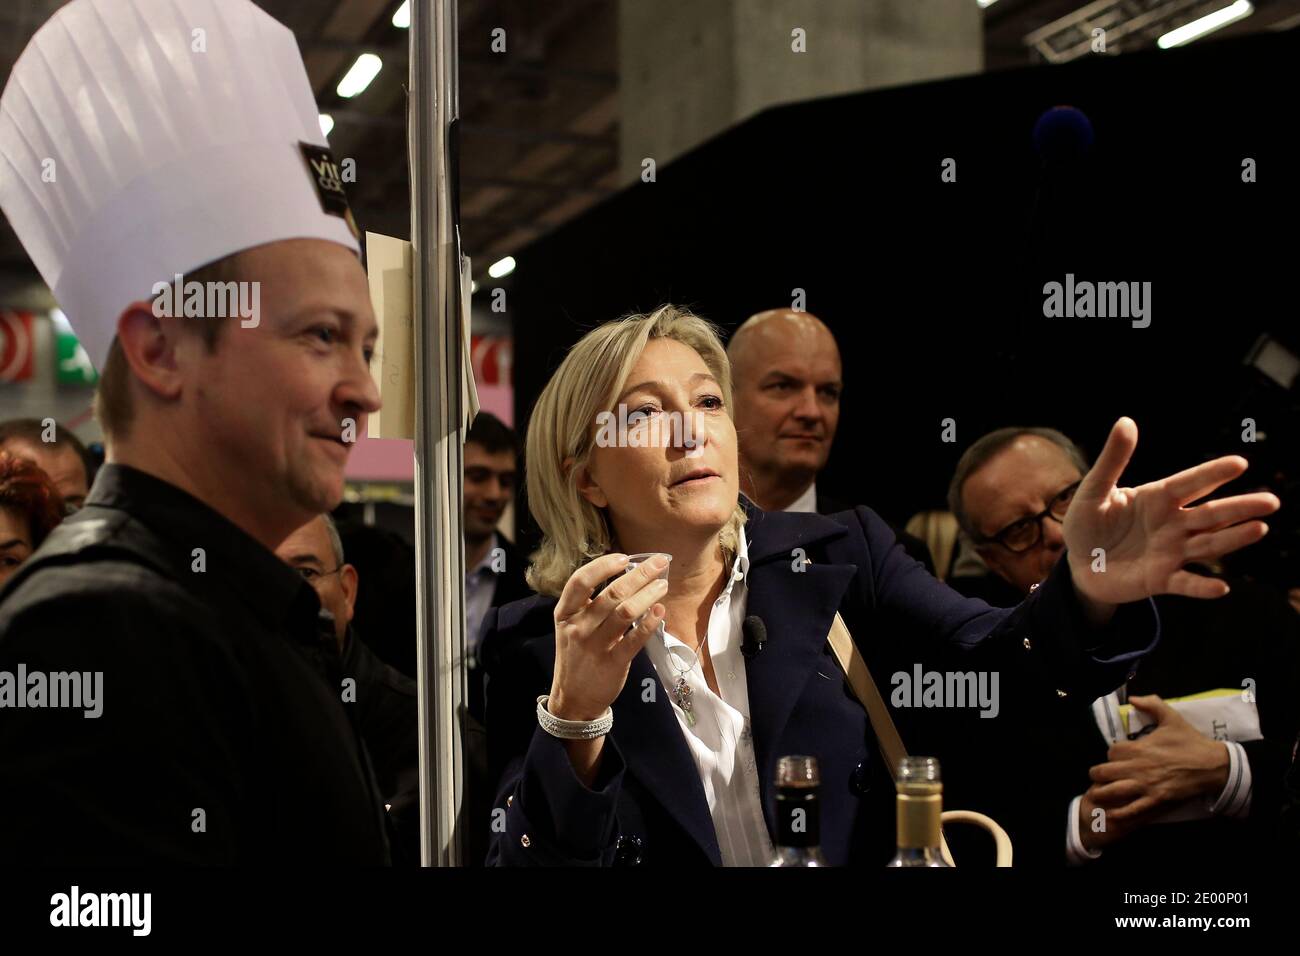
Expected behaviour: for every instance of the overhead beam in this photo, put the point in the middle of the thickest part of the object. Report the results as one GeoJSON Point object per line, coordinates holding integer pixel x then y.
{"type": "Point", "coordinates": [347, 117]}
{"type": "Point", "coordinates": [498, 65]}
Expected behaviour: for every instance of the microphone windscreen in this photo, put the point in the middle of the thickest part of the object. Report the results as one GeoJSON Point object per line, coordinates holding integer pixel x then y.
{"type": "Point", "coordinates": [1063, 135]}
{"type": "Point", "coordinates": [754, 629]}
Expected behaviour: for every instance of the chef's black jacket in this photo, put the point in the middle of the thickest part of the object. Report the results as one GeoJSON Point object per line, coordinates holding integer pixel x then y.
{"type": "Point", "coordinates": [218, 696]}
{"type": "Point", "coordinates": [387, 713]}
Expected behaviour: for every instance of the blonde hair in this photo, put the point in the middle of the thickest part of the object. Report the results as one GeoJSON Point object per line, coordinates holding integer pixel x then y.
{"type": "Point", "coordinates": [563, 427]}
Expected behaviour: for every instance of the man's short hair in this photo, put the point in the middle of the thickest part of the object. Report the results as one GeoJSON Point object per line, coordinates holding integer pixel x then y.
{"type": "Point", "coordinates": [336, 543]}
{"type": "Point", "coordinates": [113, 406]}
{"type": "Point", "coordinates": [989, 445]}
{"type": "Point", "coordinates": [32, 431]}
{"type": "Point", "coordinates": [493, 434]}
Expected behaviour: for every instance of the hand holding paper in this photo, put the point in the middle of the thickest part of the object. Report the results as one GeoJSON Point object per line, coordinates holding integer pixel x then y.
{"type": "Point", "coordinates": [1170, 765]}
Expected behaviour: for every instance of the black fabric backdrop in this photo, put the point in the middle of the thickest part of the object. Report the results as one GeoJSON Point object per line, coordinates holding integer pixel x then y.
{"type": "Point", "coordinates": [934, 289]}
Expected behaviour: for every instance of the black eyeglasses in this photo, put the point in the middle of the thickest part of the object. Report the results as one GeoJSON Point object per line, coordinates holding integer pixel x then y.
{"type": "Point", "coordinates": [1020, 536]}
{"type": "Point", "coordinates": [310, 574]}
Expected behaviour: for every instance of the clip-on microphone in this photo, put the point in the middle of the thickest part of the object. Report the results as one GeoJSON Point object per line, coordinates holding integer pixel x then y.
{"type": "Point", "coordinates": [755, 636]}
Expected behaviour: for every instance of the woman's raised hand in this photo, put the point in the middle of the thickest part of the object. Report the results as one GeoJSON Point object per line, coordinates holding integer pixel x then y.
{"type": "Point", "coordinates": [593, 644]}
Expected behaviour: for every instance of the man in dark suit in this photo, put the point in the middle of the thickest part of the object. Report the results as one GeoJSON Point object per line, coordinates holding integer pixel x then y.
{"type": "Point", "coordinates": [494, 575]}
{"type": "Point", "coordinates": [1010, 493]}
{"type": "Point", "coordinates": [787, 381]}
{"type": "Point", "coordinates": [380, 698]}
{"type": "Point", "coordinates": [494, 568]}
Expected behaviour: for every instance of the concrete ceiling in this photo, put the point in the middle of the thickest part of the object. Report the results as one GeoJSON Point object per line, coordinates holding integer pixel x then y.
{"type": "Point", "coordinates": [540, 123]}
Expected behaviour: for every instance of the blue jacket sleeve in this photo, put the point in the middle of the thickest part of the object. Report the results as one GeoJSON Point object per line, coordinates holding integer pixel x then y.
{"type": "Point", "coordinates": [1063, 647]}
{"type": "Point", "coordinates": [551, 818]}
{"type": "Point", "coordinates": [543, 815]}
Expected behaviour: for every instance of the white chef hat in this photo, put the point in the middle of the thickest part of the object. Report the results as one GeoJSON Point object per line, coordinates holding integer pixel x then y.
{"type": "Point", "coordinates": [140, 139]}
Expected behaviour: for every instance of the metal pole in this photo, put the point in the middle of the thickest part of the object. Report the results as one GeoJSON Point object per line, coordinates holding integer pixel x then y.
{"type": "Point", "coordinates": [439, 546]}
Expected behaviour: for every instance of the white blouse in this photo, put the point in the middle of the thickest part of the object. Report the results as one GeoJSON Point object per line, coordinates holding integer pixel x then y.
{"type": "Point", "coordinates": [721, 741]}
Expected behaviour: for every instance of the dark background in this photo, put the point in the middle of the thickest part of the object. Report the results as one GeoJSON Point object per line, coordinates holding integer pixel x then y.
{"type": "Point", "coordinates": [934, 290]}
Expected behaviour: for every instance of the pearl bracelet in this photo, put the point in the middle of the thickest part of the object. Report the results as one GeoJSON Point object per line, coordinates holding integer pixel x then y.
{"type": "Point", "coordinates": [573, 729]}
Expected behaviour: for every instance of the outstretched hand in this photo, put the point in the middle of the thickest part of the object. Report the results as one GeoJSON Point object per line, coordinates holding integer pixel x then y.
{"type": "Point", "coordinates": [1147, 535]}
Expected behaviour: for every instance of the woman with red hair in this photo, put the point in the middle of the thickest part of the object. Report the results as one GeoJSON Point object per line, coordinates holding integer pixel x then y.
{"type": "Point", "coordinates": [30, 507]}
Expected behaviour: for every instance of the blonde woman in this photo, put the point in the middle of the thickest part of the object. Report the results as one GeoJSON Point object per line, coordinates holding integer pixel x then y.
{"type": "Point", "coordinates": [637, 719]}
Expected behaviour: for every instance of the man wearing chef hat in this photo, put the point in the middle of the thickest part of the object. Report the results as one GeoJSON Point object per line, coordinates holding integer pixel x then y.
{"type": "Point", "coordinates": [162, 163]}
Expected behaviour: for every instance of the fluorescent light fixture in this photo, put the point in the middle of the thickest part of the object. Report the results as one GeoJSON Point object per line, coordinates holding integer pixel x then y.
{"type": "Point", "coordinates": [402, 18]}
{"type": "Point", "coordinates": [502, 267]}
{"type": "Point", "coordinates": [326, 124]}
{"type": "Point", "coordinates": [986, 3]}
{"type": "Point", "coordinates": [359, 76]}
{"type": "Point", "coordinates": [1206, 24]}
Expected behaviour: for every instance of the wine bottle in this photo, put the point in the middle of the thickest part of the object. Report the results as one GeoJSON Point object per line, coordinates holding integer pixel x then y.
{"type": "Point", "coordinates": [920, 806]}
{"type": "Point", "coordinates": [798, 813]}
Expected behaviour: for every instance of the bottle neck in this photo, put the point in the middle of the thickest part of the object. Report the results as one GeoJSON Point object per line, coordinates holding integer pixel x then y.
{"type": "Point", "coordinates": [919, 821]}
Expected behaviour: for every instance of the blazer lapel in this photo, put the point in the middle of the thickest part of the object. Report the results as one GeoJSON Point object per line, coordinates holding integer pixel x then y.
{"type": "Point", "coordinates": [797, 608]}
{"type": "Point", "coordinates": [650, 739]}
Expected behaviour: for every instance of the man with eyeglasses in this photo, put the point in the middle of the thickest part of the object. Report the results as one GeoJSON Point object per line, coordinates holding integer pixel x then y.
{"type": "Point", "coordinates": [1010, 493]}
{"type": "Point", "coordinates": [380, 699]}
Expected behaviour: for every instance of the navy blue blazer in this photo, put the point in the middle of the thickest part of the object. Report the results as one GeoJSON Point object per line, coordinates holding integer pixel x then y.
{"type": "Point", "coordinates": [647, 805]}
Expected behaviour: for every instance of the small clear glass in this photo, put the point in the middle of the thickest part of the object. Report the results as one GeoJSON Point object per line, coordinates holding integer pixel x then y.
{"type": "Point", "coordinates": [635, 560]}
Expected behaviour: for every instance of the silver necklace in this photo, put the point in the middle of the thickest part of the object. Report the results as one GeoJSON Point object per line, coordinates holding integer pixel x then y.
{"type": "Point", "coordinates": [681, 692]}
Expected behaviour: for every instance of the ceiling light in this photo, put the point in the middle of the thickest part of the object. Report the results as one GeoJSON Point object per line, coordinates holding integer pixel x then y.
{"type": "Point", "coordinates": [1207, 24]}
{"type": "Point", "coordinates": [359, 76]}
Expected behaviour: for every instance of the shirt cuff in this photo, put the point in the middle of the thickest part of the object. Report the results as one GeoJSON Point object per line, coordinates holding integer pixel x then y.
{"type": "Point", "coordinates": [1076, 853]}
{"type": "Point", "coordinates": [1234, 801]}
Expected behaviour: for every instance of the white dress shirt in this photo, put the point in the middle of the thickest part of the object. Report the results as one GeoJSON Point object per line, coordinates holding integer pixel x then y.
{"type": "Point", "coordinates": [1233, 801]}
{"type": "Point", "coordinates": [806, 501]}
{"type": "Point", "coordinates": [480, 586]}
{"type": "Point", "coordinates": [721, 741]}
